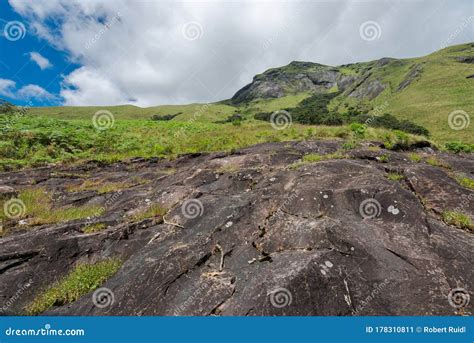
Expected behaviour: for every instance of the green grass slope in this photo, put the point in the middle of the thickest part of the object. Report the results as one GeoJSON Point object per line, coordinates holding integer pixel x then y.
{"type": "Point", "coordinates": [440, 87]}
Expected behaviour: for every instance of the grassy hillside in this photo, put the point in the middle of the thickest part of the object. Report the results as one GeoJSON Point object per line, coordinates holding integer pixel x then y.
{"type": "Point", "coordinates": [434, 86]}
{"type": "Point", "coordinates": [441, 88]}
{"type": "Point", "coordinates": [202, 112]}
{"type": "Point", "coordinates": [36, 141]}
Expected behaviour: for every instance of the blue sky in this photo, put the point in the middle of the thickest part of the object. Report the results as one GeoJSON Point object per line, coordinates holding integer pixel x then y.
{"type": "Point", "coordinates": [146, 53]}
{"type": "Point", "coordinates": [17, 65]}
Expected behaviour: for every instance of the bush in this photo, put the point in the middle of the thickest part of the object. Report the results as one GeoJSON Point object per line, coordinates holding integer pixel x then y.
{"type": "Point", "coordinates": [388, 121]}
{"type": "Point", "coordinates": [358, 129]}
{"type": "Point", "coordinates": [458, 147]}
{"type": "Point", "coordinates": [6, 107]}
{"type": "Point", "coordinates": [314, 111]}
{"type": "Point", "coordinates": [164, 117]}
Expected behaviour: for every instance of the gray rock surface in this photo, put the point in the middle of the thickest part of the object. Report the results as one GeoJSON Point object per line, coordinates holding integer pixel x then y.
{"type": "Point", "coordinates": [265, 238]}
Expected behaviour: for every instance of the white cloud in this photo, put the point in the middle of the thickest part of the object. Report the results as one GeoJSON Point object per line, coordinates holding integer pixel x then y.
{"type": "Point", "coordinates": [29, 92]}
{"type": "Point", "coordinates": [40, 60]}
{"type": "Point", "coordinates": [87, 86]}
{"type": "Point", "coordinates": [135, 52]}
{"type": "Point", "coordinates": [7, 87]}
{"type": "Point", "coordinates": [36, 92]}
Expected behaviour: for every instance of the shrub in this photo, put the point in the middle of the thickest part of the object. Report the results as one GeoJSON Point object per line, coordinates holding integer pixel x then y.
{"type": "Point", "coordinates": [388, 121]}
{"type": "Point", "coordinates": [313, 110]}
{"type": "Point", "coordinates": [458, 147]}
{"type": "Point", "coordinates": [358, 129]}
{"type": "Point", "coordinates": [165, 117]}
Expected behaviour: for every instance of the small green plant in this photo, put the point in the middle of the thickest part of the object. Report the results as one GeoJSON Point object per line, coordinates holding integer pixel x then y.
{"type": "Point", "coordinates": [152, 211]}
{"type": "Point", "coordinates": [395, 176]}
{"type": "Point", "coordinates": [358, 129]}
{"type": "Point", "coordinates": [82, 279]}
{"type": "Point", "coordinates": [457, 219]}
{"type": "Point", "coordinates": [435, 162]}
{"type": "Point", "coordinates": [311, 158]}
{"type": "Point", "coordinates": [465, 182]}
{"type": "Point", "coordinates": [96, 227]}
{"type": "Point", "coordinates": [384, 158]}
{"type": "Point", "coordinates": [38, 209]}
{"type": "Point", "coordinates": [414, 157]}
{"type": "Point", "coordinates": [374, 148]}
{"type": "Point", "coordinates": [458, 147]}
{"type": "Point", "coordinates": [349, 145]}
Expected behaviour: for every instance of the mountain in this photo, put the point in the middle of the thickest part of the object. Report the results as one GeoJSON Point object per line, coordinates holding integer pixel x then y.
{"type": "Point", "coordinates": [425, 89]}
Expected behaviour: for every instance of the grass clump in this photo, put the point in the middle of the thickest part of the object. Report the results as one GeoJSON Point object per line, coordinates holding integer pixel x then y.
{"type": "Point", "coordinates": [414, 157]}
{"type": "Point", "coordinates": [96, 227]}
{"type": "Point", "coordinates": [38, 208]}
{"type": "Point", "coordinates": [311, 158]}
{"type": "Point", "coordinates": [83, 279]}
{"type": "Point", "coordinates": [384, 158]}
{"type": "Point", "coordinates": [457, 219]}
{"type": "Point", "coordinates": [465, 182]}
{"type": "Point", "coordinates": [152, 211]}
{"type": "Point", "coordinates": [435, 162]}
{"type": "Point", "coordinates": [103, 187]}
{"type": "Point", "coordinates": [395, 176]}
{"type": "Point", "coordinates": [458, 147]}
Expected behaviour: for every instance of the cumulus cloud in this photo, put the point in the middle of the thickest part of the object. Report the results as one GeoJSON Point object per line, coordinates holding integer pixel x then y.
{"type": "Point", "coordinates": [9, 89]}
{"type": "Point", "coordinates": [150, 53]}
{"type": "Point", "coordinates": [40, 60]}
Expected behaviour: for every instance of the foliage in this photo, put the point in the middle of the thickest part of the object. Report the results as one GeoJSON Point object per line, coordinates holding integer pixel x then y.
{"type": "Point", "coordinates": [96, 227]}
{"type": "Point", "coordinates": [165, 117]}
{"type": "Point", "coordinates": [6, 107]}
{"type": "Point", "coordinates": [457, 219]}
{"type": "Point", "coordinates": [395, 176]}
{"type": "Point", "coordinates": [82, 280]}
{"type": "Point", "coordinates": [414, 157]}
{"type": "Point", "coordinates": [314, 111]}
{"type": "Point", "coordinates": [458, 147]}
{"type": "Point", "coordinates": [388, 121]}
{"type": "Point", "coordinates": [465, 182]}
{"type": "Point", "coordinates": [39, 208]}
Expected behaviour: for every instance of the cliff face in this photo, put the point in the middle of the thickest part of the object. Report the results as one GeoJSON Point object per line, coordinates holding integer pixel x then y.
{"type": "Point", "coordinates": [253, 233]}
{"type": "Point", "coordinates": [296, 77]}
